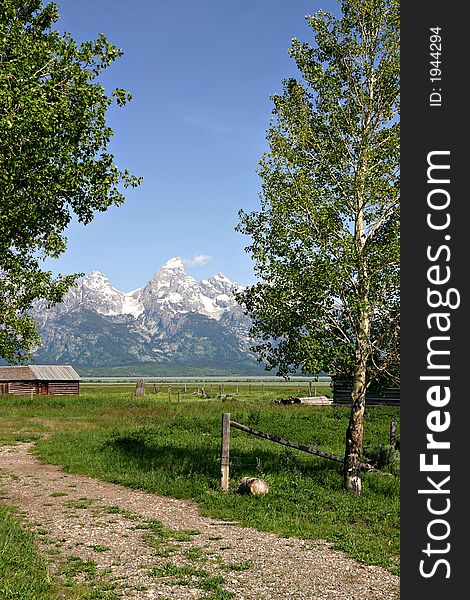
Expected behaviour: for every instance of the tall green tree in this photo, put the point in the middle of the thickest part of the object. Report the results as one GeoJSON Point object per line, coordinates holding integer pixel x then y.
{"type": "Point", "coordinates": [54, 159]}
{"type": "Point", "coordinates": [326, 240]}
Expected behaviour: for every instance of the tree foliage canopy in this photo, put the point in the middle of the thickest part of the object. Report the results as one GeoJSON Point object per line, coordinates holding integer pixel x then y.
{"type": "Point", "coordinates": [54, 158]}
{"type": "Point", "coordinates": [325, 241]}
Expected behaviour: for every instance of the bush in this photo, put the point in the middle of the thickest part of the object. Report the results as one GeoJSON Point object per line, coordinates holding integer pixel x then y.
{"type": "Point", "coordinates": [385, 458]}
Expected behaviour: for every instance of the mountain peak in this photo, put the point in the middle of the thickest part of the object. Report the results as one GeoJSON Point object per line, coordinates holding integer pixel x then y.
{"type": "Point", "coordinates": [96, 278]}
{"type": "Point", "coordinates": [220, 277]}
{"type": "Point", "coordinates": [175, 263]}
{"type": "Point", "coordinates": [97, 293]}
{"type": "Point", "coordinates": [96, 275]}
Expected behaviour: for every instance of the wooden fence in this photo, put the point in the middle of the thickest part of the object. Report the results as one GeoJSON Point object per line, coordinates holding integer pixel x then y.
{"type": "Point", "coordinates": [227, 424]}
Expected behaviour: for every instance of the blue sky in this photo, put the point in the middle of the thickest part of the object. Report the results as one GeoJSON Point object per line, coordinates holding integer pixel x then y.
{"type": "Point", "coordinates": [201, 73]}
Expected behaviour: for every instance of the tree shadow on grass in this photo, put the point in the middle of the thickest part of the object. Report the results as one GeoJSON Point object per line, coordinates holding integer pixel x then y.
{"type": "Point", "coordinates": [143, 451]}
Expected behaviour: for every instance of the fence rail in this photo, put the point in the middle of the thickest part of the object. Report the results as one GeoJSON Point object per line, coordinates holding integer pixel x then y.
{"type": "Point", "coordinates": [227, 424]}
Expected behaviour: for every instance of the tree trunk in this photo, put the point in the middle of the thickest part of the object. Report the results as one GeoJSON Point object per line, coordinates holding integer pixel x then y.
{"type": "Point", "coordinates": [354, 437]}
{"type": "Point", "coordinates": [355, 430]}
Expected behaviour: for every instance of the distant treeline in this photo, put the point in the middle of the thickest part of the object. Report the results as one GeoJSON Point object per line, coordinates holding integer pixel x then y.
{"type": "Point", "coordinates": [156, 370]}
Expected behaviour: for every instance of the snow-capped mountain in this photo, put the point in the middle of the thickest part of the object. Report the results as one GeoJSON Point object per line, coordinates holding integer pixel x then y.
{"type": "Point", "coordinates": [172, 291]}
{"type": "Point", "coordinates": [96, 293]}
{"type": "Point", "coordinates": [173, 319]}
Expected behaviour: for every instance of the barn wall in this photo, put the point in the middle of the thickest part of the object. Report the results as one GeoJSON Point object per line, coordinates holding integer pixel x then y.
{"type": "Point", "coordinates": [23, 387]}
{"type": "Point", "coordinates": [391, 397]}
{"type": "Point", "coordinates": [51, 388]}
{"type": "Point", "coordinates": [59, 388]}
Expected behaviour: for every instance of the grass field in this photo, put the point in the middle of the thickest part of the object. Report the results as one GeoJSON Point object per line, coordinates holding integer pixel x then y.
{"type": "Point", "coordinates": [172, 447]}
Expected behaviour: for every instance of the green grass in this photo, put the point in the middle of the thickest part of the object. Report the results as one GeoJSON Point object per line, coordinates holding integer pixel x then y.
{"type": "Point", "coordinates": [164, 540]}
{"type": "Point", "coordinates": [172, 448]}
{"type": "Point", "coordinates": [190, 575]}
{"type": "Point", "coordinates": [82, 580]}
{"type": "Point", "coordinates": [23, 573]}
{"type": "Point", "coordinates": [100, 548]}
{"type": "Point", "coordinates": [243, 566]}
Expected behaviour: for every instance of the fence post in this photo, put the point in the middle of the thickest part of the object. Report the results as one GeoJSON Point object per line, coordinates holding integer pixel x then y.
{"type": "Point", "coordinates": [140, 388]}
{"type": "Point", "coordinates": [225, 452]}
{"type": "Point", "coordinates": [179, 396]}
{"type": "Point", "coordinates": [393, 434]}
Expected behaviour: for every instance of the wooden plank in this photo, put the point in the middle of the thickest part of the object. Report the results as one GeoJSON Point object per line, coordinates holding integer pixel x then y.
{"type": "Point", "coordinates": [316, 400]}
{"type": "Point", "coordinates": [22, 387]}
{"type": "Point", "coordinates": [225, 452]}
{"type": "Point", "coordinates": [61, 388]}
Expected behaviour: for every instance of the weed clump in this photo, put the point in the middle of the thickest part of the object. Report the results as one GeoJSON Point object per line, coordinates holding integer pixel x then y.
{"type": "Point", "coordinates": [385, 458]}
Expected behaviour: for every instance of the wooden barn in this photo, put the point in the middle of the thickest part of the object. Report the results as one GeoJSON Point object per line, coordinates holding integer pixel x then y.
{"type": "Point", "coordinates": [389, 397]}
{"type": "Point", "coordinates": [45, 380]}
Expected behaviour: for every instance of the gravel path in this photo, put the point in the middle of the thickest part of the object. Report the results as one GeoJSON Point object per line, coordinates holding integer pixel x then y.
{"type": "Point", "coordinates": [119, 529]}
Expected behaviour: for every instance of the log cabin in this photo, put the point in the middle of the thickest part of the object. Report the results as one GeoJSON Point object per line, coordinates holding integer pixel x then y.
{"type": "Point", "coordinates": [43, 380]}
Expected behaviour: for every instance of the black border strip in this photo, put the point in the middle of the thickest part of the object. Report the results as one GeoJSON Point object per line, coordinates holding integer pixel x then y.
{"type": "Point", "coordinates": [434, 119]}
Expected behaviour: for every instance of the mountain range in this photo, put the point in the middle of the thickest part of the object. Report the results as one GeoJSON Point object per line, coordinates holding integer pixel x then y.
{"type": "Point", "coordinates": [172, 325]}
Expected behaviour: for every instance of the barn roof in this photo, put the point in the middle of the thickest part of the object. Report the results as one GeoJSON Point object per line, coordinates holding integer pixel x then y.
{"type": "Point", "coordinates": [39, 372]}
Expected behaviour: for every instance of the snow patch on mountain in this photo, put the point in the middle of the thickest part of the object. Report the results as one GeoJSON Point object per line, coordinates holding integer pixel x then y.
{"type": "Point", "coordinates": [97, 293]}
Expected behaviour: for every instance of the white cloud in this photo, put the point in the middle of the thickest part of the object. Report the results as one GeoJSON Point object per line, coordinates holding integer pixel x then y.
{"type": "Point", "coordinates": [197, 260]}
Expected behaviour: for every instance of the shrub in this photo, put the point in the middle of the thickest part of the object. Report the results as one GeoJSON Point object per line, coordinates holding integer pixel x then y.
{"type": "Point", "coordinates": [385, 458]}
